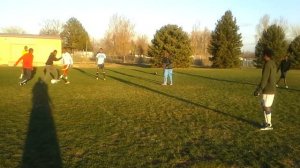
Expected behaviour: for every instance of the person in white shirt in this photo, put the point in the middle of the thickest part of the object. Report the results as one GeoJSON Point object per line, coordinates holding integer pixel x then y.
{"type": "Point", "coordinates": [100, 58]}
{"type": "Point", "coordinates": [67, 63]}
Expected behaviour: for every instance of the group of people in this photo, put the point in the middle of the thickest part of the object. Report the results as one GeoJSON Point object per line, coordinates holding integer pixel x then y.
{"type": "Point", "coordinates": [50, 69]}
{"type": "Point", "coordinates": [266, 87]}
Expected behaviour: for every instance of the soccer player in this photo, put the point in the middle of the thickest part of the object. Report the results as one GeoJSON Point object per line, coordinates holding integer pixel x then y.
{"type": "Point", "coordinates": [167, 67]}
{"type": "Point", "coordinates": [50, 68]}
{"type": "Point", "coordinates": [267, 87]}
{"type": "Point", "coordinates": [27, 66]}
{"type": "Point", "coordinates": [100, 58]}
{"type": "Point", "coordinates": [25, 51]}
{"type": "Point", "coordinates": [284, 66]}
{"type": "Point", "coordinates": [67, 63]}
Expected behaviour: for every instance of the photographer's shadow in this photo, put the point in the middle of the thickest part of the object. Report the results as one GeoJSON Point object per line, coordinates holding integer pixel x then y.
{"type": "Point", "coordinates": [41, 146]}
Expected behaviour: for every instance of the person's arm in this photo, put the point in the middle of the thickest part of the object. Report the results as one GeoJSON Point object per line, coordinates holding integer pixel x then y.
{"type": "Point", "coordinates": [265, 76]}
{"type": "Point", "coordinates": [289, 65]}
{"type": "Point", "coordinates": [279, 67]}
{"type": "Point", "coordinates": [18, 61]}
{"type": "Point", "coordinates": [56, 59]}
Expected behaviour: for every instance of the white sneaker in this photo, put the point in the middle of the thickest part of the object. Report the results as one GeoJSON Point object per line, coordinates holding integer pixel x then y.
{"type": "Point", "coordinates": [171, 84]}
{"type": "Point", "coordinates": [276, 85]}
{"type": "Point", "coordinates": [67, 83]}
{"type": "Point", "coordinates": [286, 87]}
{"type": "Point", "coordinates": [267, 127]}
{"type": "Point", "coordinates": [164, 84]}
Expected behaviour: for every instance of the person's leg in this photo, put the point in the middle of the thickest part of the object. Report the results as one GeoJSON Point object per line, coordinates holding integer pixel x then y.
{"type": "Point", "coordinates": [267, 104]}
{"type": "Point", "coordinates": [165, 76]}
{"type": "Point", "coordinates": [103, 72]}
{"type": "Point", "coordinates": [284, 79]}
{"type": "Point", "coordinates": [97, 73]}
{"type": "Point", "coordinates": [171, 76]}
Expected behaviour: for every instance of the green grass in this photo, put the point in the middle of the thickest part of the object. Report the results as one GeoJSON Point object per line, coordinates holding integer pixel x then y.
{"type": "Point", "coordinates": [208, 118]}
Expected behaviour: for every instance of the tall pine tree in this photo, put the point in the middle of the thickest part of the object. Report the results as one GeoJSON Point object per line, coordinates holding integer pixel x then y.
{"type": "Point", "coordinates": [294, 51]}
{"type": "Point", "coordinates": [174, 40]}
{"type": "Point", "coordinates": [272, 38]}
{"type": "Point", "coordinates": [75, 36]}
{"type": "Point", "coordinates": [225, 45]}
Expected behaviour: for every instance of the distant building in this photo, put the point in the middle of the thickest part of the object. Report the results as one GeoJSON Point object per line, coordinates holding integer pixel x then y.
{"type": "Point", "coordinates": [12, 46]}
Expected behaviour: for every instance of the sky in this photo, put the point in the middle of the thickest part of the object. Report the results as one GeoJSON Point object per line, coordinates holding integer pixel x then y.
{"type": "Point", "coordinates": [148, 16]}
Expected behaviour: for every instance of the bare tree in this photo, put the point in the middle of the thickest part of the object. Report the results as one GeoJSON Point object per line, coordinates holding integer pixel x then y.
{"type": "Point", "coordinates": [119, 36]}
{"type": "Point", "coordinates": [141, 45]}
{"type": "Point", "coordinates": [295, 31]}
{"type": "Point", "coordinates": [51, 27]}
{"type": "Point", "coordinates": [263, 25]}
{"type": "Point", "coordinates": [13, 30]}
{"type": "Point", "coordinates": [200, 40]}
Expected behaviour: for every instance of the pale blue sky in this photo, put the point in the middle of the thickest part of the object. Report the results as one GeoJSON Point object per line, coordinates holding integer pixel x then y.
{"type": "Point", "coordinates": [147, 15]}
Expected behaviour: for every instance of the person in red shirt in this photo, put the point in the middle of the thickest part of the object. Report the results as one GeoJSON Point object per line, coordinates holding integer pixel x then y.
{"type": "Point", "coordinates": [27, 66]}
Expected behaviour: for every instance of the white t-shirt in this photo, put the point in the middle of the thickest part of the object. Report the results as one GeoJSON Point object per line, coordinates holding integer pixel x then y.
{"type": "Point", "coordinates": [67, 59]}
{"type": "Point", "coordinates": [100, 58]}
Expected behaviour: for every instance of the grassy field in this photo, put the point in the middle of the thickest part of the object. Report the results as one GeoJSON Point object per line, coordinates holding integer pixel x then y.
{"type": "Point", "coordinates": [208, 118]}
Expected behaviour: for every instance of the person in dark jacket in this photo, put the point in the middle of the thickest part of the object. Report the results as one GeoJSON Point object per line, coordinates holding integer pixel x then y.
{"type": "Point", "coordinates": [267, 87]}
{"type": "Point", "coordinates": [50, 68]}
{"type": "Point", "coordinates": [167, 67]}
{"type": "Point", "coordinates": [284, 67]}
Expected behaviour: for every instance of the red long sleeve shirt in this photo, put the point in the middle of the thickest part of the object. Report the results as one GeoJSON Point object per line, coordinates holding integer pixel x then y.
{"type": "Point", "coordinates": [27, 60]}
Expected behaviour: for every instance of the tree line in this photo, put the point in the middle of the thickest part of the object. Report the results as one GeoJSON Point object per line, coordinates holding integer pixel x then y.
{"type": "Point", "coordinates": [222, 46]}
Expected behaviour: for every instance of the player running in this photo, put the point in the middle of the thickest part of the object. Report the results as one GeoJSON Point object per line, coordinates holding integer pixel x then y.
{"type": "Point", "coordinates": [25, 51]}
{"type": "Point", "coordinates": [27, 66]}
{"type": "Point", "coordinates": [67, 63]}
{"type": "Point", "coordinates": [50, 68]}
{"type": "Point", "coordinates": [284, 67]}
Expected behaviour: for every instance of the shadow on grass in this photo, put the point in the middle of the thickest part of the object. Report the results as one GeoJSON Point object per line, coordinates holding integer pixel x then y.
{"type": "Point", "coordinates": [137, 65]}
{"type": "Point", "coordinates": [86, 73]}
{"type": "Point", "coordinates": [253, 123]}
{"type": "Point", "coordinates": [216, 79]}
{"type": "Point", "coordinates": [41, 146]}
{"type": "Point", "coordinates": [137, 77]}
{"type": "Point", "coordinates": [149, 73]}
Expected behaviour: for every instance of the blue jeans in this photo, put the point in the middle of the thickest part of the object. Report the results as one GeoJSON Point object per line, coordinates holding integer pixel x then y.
{"type": "Point", "coordinates": [168, 73]}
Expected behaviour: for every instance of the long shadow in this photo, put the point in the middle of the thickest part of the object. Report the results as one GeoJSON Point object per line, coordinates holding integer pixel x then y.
{"type": "Point", "coordinates": [86, 73]}
{"type": "Point", "coordinates": [253, 123]}
{"type": "Point", "coordinates": [230, 81]}
{"type": "Point", "coordinates": [137, 77]}
{"type": "Point", "coordinates": [149, 73]}
{"type": "Point", "coordinates": [216, 79]}
{"type": "Point", "coordinates": [41, 146]}
{"type": "Point", "coordinates": [137, 65]}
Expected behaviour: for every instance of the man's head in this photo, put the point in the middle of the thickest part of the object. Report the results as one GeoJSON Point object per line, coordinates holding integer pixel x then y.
{"type": "Point", "coordinates": [30, 50]}
{"type": "Point", "coordinates": [268, 54]}
{"type": "Point", "coordinates": [54, 52]}
{"type": "Point", "coordinates": [26, 48]}
{"type": "Point", "coordinates": [101, 50]}
{"type": "Point", "coordinates": [65, 49]}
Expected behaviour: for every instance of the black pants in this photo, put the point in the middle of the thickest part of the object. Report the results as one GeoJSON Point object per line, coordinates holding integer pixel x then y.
{"type": "Point", "coordinates": [26, 74]}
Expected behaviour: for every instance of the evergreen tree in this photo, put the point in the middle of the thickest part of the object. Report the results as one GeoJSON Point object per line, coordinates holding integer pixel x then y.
{"type": "Point", "coordinates": [272, 38]}
{"type": "Point", "coordinates": [225, 45]}
{"type": "Point", "coordinates": [174, 40]}
{"type": "Point", "coordinates": [75, 36]}
{"type": "Point", "coordinates": [294, 51]}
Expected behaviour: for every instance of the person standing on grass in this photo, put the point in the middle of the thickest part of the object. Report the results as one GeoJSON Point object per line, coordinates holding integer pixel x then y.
{"type": "Point", "coordinates": [67, 63]}
{"type": "Point", "coordinates": [267, 87]}
{"type": "Point", "coordinates": [50, 68]}
{"type": "Point", "coordinates": [25, 51]}
{"type": "Point", "coordinates": [284, 66]}
{"type": "Point", "coordinates": [27, 66]}
{"type": "Point", "coordinates": [100, 58]}
{"type": "Point", "coordinates": [167, 67]}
